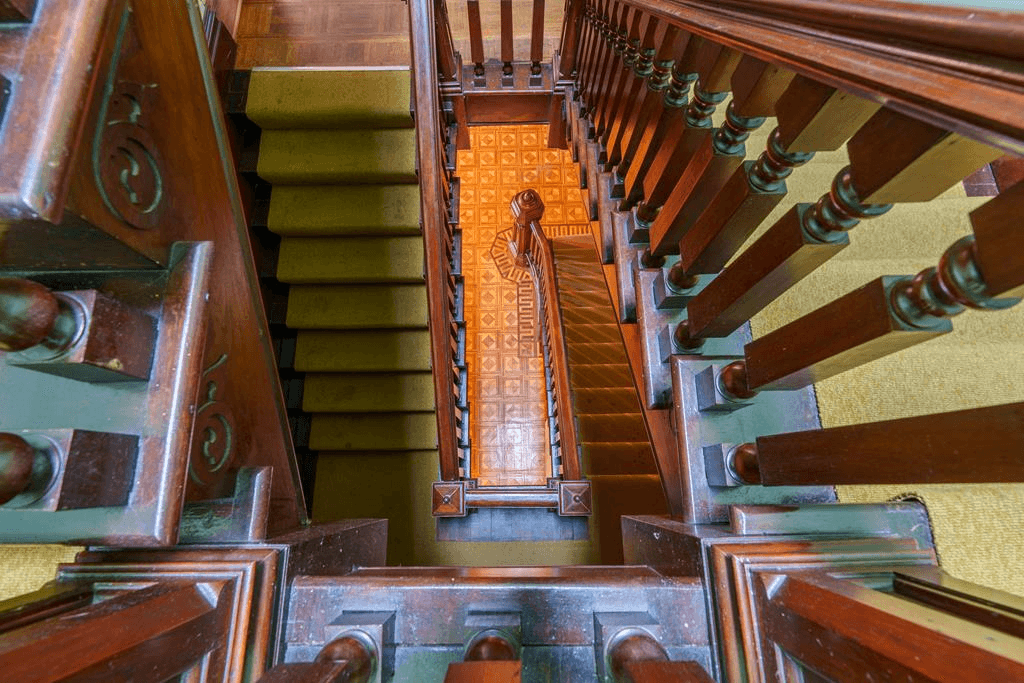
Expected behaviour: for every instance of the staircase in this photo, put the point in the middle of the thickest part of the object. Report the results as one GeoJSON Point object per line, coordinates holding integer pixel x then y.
{"type": "Point", "coordinates": [338, 149]}
{"type": "Point", "coordinates": [617, 455]}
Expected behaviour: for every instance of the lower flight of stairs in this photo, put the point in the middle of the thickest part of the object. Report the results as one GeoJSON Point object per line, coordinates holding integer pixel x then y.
{"type": "Point", "coordinates": [338, 149]}
{"type": "Point", "coordinates": [616, 450]}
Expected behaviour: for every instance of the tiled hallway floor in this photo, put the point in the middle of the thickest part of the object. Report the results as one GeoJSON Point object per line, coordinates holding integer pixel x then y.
{"type": "Point", "coordinates": [508, 408]}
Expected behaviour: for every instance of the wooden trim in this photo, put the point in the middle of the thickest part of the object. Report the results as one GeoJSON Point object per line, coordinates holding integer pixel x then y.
{"type": "Point", "coordinates": [433, 217]}
{"type": "Point", "coordinates": [954, 67]}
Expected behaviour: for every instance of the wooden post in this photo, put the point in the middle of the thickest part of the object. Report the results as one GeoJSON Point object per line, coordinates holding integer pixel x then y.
{"type": "Point", "coordinates": [537, 37]}
{"type": "Point", "coordinates": [506, 37]}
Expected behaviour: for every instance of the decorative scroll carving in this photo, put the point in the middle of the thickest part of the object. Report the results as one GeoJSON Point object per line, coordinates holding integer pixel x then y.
{"type": "Point", "coordinates": [213, 440]}
{"type": "Point", "coordinates": [126, 162]}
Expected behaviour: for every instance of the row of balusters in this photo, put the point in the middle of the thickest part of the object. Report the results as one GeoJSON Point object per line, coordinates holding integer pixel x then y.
{"type": "Point", "coordinates": [476, 39]}
{"type": "Point", "coordinates": [455, 285]}
{"type": "Point", "coordinates": [648, 90]}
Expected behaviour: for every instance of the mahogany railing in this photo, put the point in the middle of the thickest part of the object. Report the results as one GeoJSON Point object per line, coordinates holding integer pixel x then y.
{"type": "Point", "coordinates": [532, 249]}
{"type": "Point", "coordinates": [436, 132]}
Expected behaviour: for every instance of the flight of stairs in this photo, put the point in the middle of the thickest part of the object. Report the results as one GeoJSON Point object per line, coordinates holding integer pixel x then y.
{"type": "Point", "coordinates": [338, 149]}
{"type": "Point", "coordinates": [617, 455]}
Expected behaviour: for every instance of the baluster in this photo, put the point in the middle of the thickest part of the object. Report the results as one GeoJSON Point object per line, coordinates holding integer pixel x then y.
{"type": "Point", "coordinates": [596, 42]}
{"type": "Point", "coordinates": [592, 24]}
{"type": "Point", "coordinates": [537, 37]}
{"type": "Point", "coordinates": [447, 61]}
{"type": "Point", "coordinates": [614, 40]}
{"type": "Point", "coordinates": [17, 458]}
{"type": "Point", "coordinates": [715, 66]}
{"type": "Point", "coordinates": [663, 121]}
{"type": "Point", "coordinates": [812, 117]}
{"type": "Point", "coordinates": [647, 114]}
{"type": "Point", "coordinates": [569, 45]}
{"type": "Point", "coordinates": [929, 449]}
{"type": "Point", "coordinates": [506, 37]}
{"type": "Point", "coordinates": [626, 51]}
{"type": "Point", "coordinates": [476, 39]}
{"type": "Point", "coordinates": [633, 100]}
{"type": "Point", "coordinates": [892, 157]}
{"type": "Point", "coordinates": [756, 87]}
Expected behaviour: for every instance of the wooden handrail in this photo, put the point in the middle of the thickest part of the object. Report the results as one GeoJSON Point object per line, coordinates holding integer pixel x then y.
{"type": "Point", "coordinates": [433, 218]}
{"type": "Point", "coordinates": [532, 248]}
{"type": "Point", "coordinates": [954, 67]}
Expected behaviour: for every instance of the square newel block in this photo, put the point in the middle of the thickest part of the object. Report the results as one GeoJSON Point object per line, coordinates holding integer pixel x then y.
{"type": "Point", "coordinates": [17, 11]}
{"type": "Point", "coordinates": [449, 499]}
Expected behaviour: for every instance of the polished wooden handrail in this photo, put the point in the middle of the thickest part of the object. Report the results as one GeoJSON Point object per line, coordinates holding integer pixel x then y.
{"type": "Point", "coordinates": [533, 249]}
{"type": "Point", "coordinates": [433, 217]}
{"type": "Point", "coordinates": [954, 67]}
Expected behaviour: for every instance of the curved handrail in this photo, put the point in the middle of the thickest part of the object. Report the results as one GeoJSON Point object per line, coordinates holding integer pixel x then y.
{"type": "Point", "coordinates": [532, 248]}
{"type": "Point", "coordinates": [958, 68]}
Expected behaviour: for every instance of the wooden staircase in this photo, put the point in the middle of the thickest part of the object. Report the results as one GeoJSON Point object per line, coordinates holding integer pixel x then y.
{"type": "Point", "coordinates": [615, 448]}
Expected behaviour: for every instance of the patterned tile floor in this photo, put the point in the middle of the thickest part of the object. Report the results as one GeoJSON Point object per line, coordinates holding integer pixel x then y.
{"type": "Point", "coordinates": [508, 408]}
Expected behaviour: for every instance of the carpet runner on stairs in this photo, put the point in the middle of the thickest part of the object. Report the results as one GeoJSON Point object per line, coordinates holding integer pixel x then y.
{"type": "Point", "coordinates": [338, 148]}
{"type": "Point", "coordinates": [617, 455]}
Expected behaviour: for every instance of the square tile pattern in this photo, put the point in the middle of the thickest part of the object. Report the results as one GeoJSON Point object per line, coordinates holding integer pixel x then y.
{"type": "Point", "coordinates": [508, 406]}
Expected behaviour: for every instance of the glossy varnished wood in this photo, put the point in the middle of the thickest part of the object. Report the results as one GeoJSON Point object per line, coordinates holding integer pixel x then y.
{"type": "Point", "coordinates": [914, 450]}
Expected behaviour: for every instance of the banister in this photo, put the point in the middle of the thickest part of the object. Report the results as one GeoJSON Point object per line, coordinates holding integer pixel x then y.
{"type": "Point", "coordinates": [532, 248]}
{"type": "Point", "coordinates": [953, 67]}
{"type": "Point", "coordinates": [433, 218]}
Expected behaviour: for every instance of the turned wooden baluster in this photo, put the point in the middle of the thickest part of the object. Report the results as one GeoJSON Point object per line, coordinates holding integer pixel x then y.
{"type": "Point", "coordinates": [715, 65]}
{"type": "Point", "coordinates": [664, 121]}
{"type": "Point", "coordinates": [447, 61]}
{"type": "Point", "coordinates": [615, 40]}
{"type": "Point", "coordinates": [635, 92]}
{"type": "Point", "coordinates": [506, 37]}
{"type": "Point", "coordinates": [647, 114]}
{"type": "Point", "coordinates": [893, 313]}
{"type": "Point", "coordinates": [593, 29]}
{"type": "Point", "coordinates": [812, 117]}
{"type": "Point", "coordinates": [570, 42]}
{"type": "Point", "coordinates": [756, 86]}
{"type": "Point", "coordinates": [537, 37]}
{"type": "Point", "coordinates": [634, 74]}
{"type": "Point", "coordinates": [17, 458]}
{"type": "Point", "coordinates": [892, 158]}
{"type": "Point", "coordinates": [476, 37]}
{"type": "Point", "coordinates": [597, 41]}
{"type": "Point", "coordinates": [627, 49]}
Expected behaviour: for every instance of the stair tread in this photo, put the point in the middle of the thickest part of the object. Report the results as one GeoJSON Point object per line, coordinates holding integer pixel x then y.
{"type": "Point", "coordinates": [329, 98]}
{"type": "Point", "coordinates": [367, 350]}
{"type": "Point", "coordinates": [368, 392]}
{"type": "Point", "coordinates": [317, 157]}
{"type": "Point", "coordinates": [323, 307]}
{"type": "Point", "coordinates": [315, 210]}
{"type": "Point", "coordinates": [605, 400]}
{"type": "Point", "coordinates": [350, 259]}
{"type": "Point", "coordinates": [373, 432]}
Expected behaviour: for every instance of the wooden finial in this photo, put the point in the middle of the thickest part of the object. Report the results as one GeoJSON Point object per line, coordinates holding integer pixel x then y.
{"type": "Point", "coordinates": [16, 459]}
{"type": "Point", "coordinates": [28, 313]}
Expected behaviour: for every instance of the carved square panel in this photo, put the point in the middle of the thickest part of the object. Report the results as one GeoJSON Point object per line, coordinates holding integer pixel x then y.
{"type": "Point", "coordinates": [449, 499]}
{"type": "Point", "coordinates": [574, 498]}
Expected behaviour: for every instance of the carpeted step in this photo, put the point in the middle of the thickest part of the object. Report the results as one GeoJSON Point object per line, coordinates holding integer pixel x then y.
{"type": "Point", "coordinates": [319, 157]}
{"type": "Point", "coordinates": [586, 333]}
{"type": "Point", "coordinates": [591, 376]}
{"type": "Point", "coordinates": [606, 399]}
{"type": "Point", "coordinates": [597, 353]}
{"type": "Point", "coordinates": [339, 307]}
{"type": "Point", "coordinates": [320, 210]}
{"type": "Point", "coordinates": [577, 315]}
{"type": "Point", "coordinates": [339, 392]}
{"type": "Point", "coordinates": [329, 98]}
{"type": "Point", "coordinates": [362, 350]}
{"type": "Point", "coordinates": [618, 458]}
{"type": "Point", "coordinates": [326, 260]}
{"type": "Point", "coordinates": [373, 432]}
{"type": "Point", "coordinates": [611, 428]}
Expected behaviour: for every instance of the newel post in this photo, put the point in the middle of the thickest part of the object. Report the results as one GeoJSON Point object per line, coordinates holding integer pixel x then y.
{"type": "Point", "coordinates": [527, 208]}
